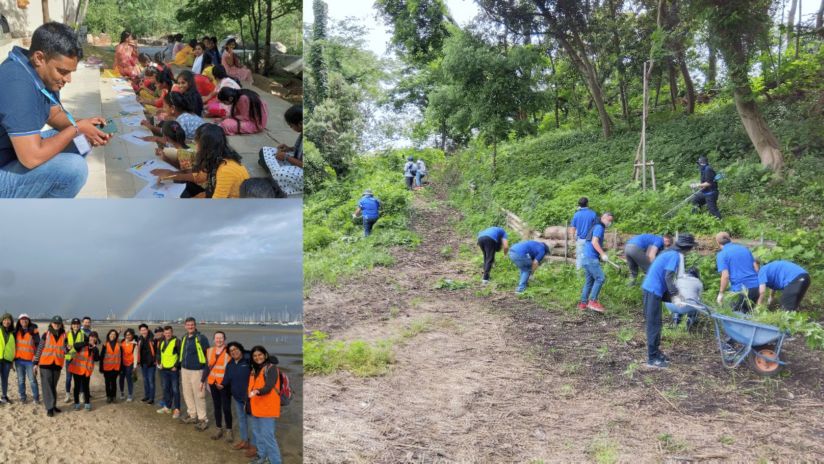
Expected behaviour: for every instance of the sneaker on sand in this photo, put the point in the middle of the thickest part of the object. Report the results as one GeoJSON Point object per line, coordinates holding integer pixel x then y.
{"type": "Point", "coordinates": [582, 306]}
{"type": "Point", "coordinates": [229, 436]}
{"type": "Point", "coordinates": [190, 420]}
{"type": "Point", "coordinates": [122, 396]}
{"type": "Point", "coordinates": [176, 414]}
{"type": "Point", "coordinates": [88, 407]}
{"type": "Point", "coordinates": [658, 363]}
{"type": "Point", "coordinates": [164, 410]}
{"type": "Point", "coordinates": [218, 435]}
{"type": "Point", "coordinates": [595, 306]}
{"type": "Point", "coordinates": [68, 399]}
{"type": "Point", "coordinates": [129, 399]}
{"type": "Point", "coordinates": [77, 406]}
{"type": "Point", "coordinates": [202, 425]}
{"type": "Point", "coordinates": [484, 281]}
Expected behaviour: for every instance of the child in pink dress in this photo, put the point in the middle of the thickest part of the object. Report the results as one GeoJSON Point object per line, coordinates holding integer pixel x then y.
{"type": "Point", "coordinates": [232, 64]}
{"type": "Point", "coordinates": [248, 115]}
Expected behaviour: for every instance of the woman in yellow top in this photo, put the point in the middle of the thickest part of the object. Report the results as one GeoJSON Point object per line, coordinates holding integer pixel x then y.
{"type": "Point", "coordinates": [7, 350]}
{"type": "Point", "coordinates": [186, 56]}
{"type": "Point", "coordinates": [216, 161]}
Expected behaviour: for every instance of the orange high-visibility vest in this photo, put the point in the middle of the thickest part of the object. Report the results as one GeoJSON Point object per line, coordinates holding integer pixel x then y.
{"type": "Point", "coordinates": [217, 365]}
{"type": "Point", "coordinates": [112, 360]}
{"type": "Point", "coordinates": [82, 363]}
{"type": "Point", "coordinates": [128, 352]}
{"type": "Point", "coordinates": [24, 344]}
{"type": "Point", "coordinates": [54, 351]}
{"type": "Point", "coordinates": [267, 405]}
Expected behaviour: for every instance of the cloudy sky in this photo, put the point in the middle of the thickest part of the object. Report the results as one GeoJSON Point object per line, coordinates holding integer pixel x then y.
{"type": "Point", "coordinates": [158, 259]}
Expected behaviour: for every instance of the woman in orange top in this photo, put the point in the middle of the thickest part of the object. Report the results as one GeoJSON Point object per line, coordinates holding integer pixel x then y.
{"type": "Point", "coordinates": [49, 360]}
{"type": "Point", "coordinates": [26, 339]}
{"type": "Point", "coordinates": [127, 350]}
{"type": "Point", "coordinates": [217, 357]}
{"type": "Point", "coordinates": [110, 361]}
{"type": "Point", "coordinates": [264, 404]}
{"type": "Point", "coordinates": [81, 368]}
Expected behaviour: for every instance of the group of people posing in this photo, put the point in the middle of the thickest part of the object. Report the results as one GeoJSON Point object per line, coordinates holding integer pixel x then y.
{"type": "Point", "coordinates": [661, 259]}
{"type": "Point", "coordinates": [245, 385]}
{"type": "Point", "coordinates": [36, 163]}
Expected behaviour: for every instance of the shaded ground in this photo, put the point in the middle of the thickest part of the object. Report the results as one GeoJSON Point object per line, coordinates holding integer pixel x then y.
{"type": "Point", "coordinates": [498, 379]}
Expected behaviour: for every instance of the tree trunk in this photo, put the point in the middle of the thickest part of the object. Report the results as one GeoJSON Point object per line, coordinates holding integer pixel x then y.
{"type": "Point", "coordinates": [267, 59]}
{"type": "Point", "coordinates": [586, 68]}
{"type": "Point", "coordinates": [673, 83]}
{"type": "Point", "coordinates": [682, 63]}
{"type": "Point", "coordinates": [45, 4]}
{"type": "Point", "coordinates": [81, 16]}
{"type": "Point", "coordinates": [756, 126]}
{"type": "Point", "coordinates": [790, 21]}
{"type": "Point", "coordinates": [819, 17]}
{"type": "Point", "coordinates": [554, 88]}
{"type": "Point", "coordinates": [712, 67]}
{"type": "Point", "coordinates": [658, 86]}
{"type": "Point", "coordinates": [494, 161]}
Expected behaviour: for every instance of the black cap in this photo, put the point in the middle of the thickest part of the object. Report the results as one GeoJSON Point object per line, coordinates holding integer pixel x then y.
{"type": "Point", "coordinates": [75, 321]}
{"type": "Point", "coordinates": [702, 160]}
{"type": "Point", "coordinates": [158, 329]}
{"type": "Point", "coordinates": [57, 320]}
{"type": "Point", "coordinates": [685, 242]}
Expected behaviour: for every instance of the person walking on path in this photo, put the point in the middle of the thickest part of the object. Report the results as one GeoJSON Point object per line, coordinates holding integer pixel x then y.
{"type": "Point", "coordinates": [420, 173]}
{"type": "Point", "coordinates": [660, 284]}
{"type": "Point", "coordinates": [168, 361]}
{"type": "Point", "coordinates": [7, 352]}
{"type": "Point", "coordinates": [594, 276]}
{"type": "Point", "coordinates": [790, 278]}
{"type": "Point", "coordinates": [49, 360]}
{"type": "Point", "coordinates": [81, 368]}
{"type": "Point", "coordinates": [127, 348]}
{"type": "Point", "coordinates": [709, 189]}
{"type": "Point", "coordinates": [74, 335]}
{"type": "Point", "coordinates": [146, 349]}
{"type": "Point", "coordinates": [583, 220]}
{"type": "Point", "coordinates": [370, 208]}
{"type": "Point", "coordinates": [739, 271]}
{"type": "Point", "coordinates": [492, 240]}
{"type": "Point", "coordinates": [527, 256]}
{"type": "Point", "coordinates": [264, 404]}
{"type": "Point", "coordinates": [641, 250]}
{"type": "Point", "coordinates": [26, 341]}
{"type": "Point", "coordinates": [410, 170]}
{"type": "Point", "coordinates": [193, 372]}
{"type": "Point", "coordinates": [111, 361]}
{"type": "Point", "coordinates": [236, 381]}
{"type": "Point", "coordinates": [218, 358]}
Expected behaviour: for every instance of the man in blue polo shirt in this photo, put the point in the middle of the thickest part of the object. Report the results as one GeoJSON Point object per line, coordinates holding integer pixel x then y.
{"type": "Point", "coordinates": [641, 250]}
{"type": "Point", "coordinates": [591, 261]}
{"type": "Point", "coordinates": [660, 285]}
{"type": "Point", "coordinates": [48, 164]}
{"type": "Point", "coordinates": [492, 240]}
{"type": "Point", "coordinates": [739, 270]}
{"type": "Point", "coordinates": [527, 256]}
{"type": "Point", "coordinates": [370, 207]}
{"type": "Point", "coordinates": [792, 279]}
{"type": "Point", "coordinates": [583, 219]}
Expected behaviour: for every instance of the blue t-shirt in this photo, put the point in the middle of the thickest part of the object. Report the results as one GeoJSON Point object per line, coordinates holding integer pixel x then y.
{"type": "Point", "coordinates": [531, 248]}
{"type": "Point", "coordinates": [644, 241]}
{"type": "Point", "coordinates": [23, 108]}
{"type": "Point", "coordinates": [370, 207]}
{"type": "Point", "coordinates": [778, 274]}
{"type": "Point", "coordinates": [655, 281]}
{"type": "Point", "coordinates": [738, 260]}
{"type": "Point", "coordinates": [495, 233]}
{"type": "Point", "coordinates": [589, 250]}
{"type": "Point", "coordinates": [582, 220]}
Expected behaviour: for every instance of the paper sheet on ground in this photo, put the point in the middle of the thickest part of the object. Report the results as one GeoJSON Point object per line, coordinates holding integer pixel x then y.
{"type": "Point", "coordinates": [144, 170]}
{"type": "Point", "coordinates": [134, 137]}
{"type": "Point", "coordinates": [131, 107]}
{"type": "Point", "coordinates": [132, 121]}
{"type": "Point", "coordinates": [164, 190]}
{"type": "Point", "coordinates": [122, 88]}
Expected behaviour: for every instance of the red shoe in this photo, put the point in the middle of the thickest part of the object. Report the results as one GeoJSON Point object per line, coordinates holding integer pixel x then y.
{"type": "Point", "coordinates": [582, 306]}
{"type": "Point", "coordinates": [595, 306]}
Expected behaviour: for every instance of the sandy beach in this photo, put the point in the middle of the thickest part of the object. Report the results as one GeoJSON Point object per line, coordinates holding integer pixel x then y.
{"type": "Point", "coordinates": [123, 431]}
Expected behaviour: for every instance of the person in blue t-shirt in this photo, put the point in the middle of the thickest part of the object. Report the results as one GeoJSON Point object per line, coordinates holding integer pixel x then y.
{"type": "Point", "coordinates": [641, 251]}
{"type": "Point", "coordinates": [594, 253]}
{"type": "Point", "coordinates": [739, 270]}
{"type": "Point", "coordinates": [660, 285]}
{"type": "Point", "coordinates": [370, 208]}
{"type": "Point", "coordinates": [527, 256]}
{"type": "Point", "coordinates": [709, 189]}
{"type": "Point", "coordinates": [492, 240]}
{"type": "Point", "coordinates": [36, 163]}
{"type": "Point", "coordinates": [583, 219]}
{"type": "Point", "coordinates": [792, 279]}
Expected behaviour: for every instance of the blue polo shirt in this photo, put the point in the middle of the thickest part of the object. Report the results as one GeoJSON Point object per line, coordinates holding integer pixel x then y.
{"type": "Point", "coordinates": [370, 207]}
{"type": "Point", "coordinates": [24, 110]}
{"type": "Point", "coordinates": [738, 260]}
{"type": "Point", "coordinates": [582, 220]}
{"type": "Point", "coordinates": [495, 233]}
{"type": "Point", "coordinates": [778, 274]}
{"type": "Point", "coordinates": [589, 250]}
{"type": "Point", "coordinates": [655, 280]}
{"type": "Point", "coordinates": [530, 248]}
{"type": "Point", "coordinates": [645, 241]}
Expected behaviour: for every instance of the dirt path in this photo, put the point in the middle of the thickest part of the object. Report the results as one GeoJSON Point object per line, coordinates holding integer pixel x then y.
{"type": "Point", "coordinates": [498, 379]}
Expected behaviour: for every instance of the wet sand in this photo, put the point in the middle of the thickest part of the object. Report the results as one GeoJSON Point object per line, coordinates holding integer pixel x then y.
{"type": "Point", "coordinates": [122, 431]}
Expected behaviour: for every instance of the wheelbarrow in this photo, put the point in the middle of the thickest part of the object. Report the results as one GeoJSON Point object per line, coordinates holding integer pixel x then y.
{"type": "Point", "coordinates": [759, 344]}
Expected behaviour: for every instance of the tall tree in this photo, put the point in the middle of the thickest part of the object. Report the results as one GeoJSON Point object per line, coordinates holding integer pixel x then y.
{"type": "Point", "coordinates": [419, 28]}
{"type": "Point", "coordinates": [317, 65]}
{"type": "Point", "coordinates": [790, 21]}
{"type": "Point", "coordinates": [736, 26]}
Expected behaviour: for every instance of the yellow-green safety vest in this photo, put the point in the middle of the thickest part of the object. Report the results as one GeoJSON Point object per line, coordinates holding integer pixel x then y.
{"type": "Point", "coordinates": [200, 355]}
{"type": "Point", "coordinates": [7, 347]}
{"type": "Point", "coordinates": [80, 337]}
{"type": "Point", "coordinates": [167, 353]}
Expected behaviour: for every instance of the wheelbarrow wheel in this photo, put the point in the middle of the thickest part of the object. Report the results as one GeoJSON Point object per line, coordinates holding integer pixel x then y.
{"type": "Point", "coordinates": [761, 366]}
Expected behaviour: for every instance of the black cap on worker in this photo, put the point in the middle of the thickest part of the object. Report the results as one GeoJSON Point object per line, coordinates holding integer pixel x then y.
{"type": "Point", "coordinates": [76, 321]}
{"type": "Point", "coordinates": [703, 161]}
{"type": "Point", "coordinates": [685, 242]}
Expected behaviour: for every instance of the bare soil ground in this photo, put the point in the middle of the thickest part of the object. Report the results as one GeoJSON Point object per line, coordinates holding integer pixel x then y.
{"type": "Point", "coordinates": [499, 379]}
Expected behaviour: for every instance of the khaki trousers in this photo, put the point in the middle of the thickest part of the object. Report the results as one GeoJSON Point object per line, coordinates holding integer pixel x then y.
{"type": "Point", "coordinates": [193, 396]}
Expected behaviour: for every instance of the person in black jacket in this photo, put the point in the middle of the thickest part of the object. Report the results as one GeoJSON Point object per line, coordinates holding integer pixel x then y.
{"type": "Point", "coordinates": [709, 189]}
{"type": "Point", "coordinates": [236, 380]}
{"type": "Point", "coordinates": [146, 359]}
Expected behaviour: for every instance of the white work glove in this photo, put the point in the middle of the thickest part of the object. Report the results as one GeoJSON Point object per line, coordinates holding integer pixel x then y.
{"type": "Point", "coordinates": [769, 300]}
{"type": "Point", "coordinates": [354, 216]}
{"type": "Point", "coordinates": [604, 257]}
{"type": "Point", "coordinates": [720, 298]}
{"type": "Point", "coordinates": [694, 185]}
{"type": "Point", "coordinates": [679, 301]}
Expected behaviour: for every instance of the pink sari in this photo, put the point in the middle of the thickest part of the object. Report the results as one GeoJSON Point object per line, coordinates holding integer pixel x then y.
{"type": "Point", "coordinates": [214, 108]}
{"type": "Point", "coordinates": [234, 68]}
{"type": "Point", "coordinates": [242, 122]}
{"type": "Point", "coordinates": [125, 60]}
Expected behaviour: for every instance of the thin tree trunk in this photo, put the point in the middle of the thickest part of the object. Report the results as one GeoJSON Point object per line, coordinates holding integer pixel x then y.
{"type": "Point", "coordinates": [585, 67]}
{"type": "Point", "coordinates": [682, 63]}
{"type": "Point", "coordinates": [45, 5]}
{"type": "Point", "coordinates": [819, 18]}
{"type": "Point", "coordinates": [673, 83]}
{"type": "Point", "coordinates": [712, 67]}
{"type": "Point", "coordinates": [798, 32]}
{"type": "Point", "coordinates": [790, 21]}
{"type": "Point", "coordinates": [756, 126]}
{"type": "Point", "coordinates": [81, 18]}
{"type": "Point", "coordinates": [268, 47]}
{"type": "Point", "coordinates": [494, 161]}
{"type": "Point", "coordinates": [658, 87]}
{"type": "Point", "coordinates": [554, 88]}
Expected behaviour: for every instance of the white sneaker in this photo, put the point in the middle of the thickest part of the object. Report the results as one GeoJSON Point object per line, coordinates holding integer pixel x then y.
{"type": "Point", "coordinates": [164, 410]}
{"type": "Point", "coordinates": [484, 281]}
{"type": "Point", "coordinates": [68, 399]}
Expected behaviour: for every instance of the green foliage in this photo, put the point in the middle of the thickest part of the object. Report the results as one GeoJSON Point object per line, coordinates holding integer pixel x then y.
{"type": "Point", "coordinates": [419, 27]}
{"type": "Point", "coordinates": [141, 17]}
{"type": "Point", "coordinates": [449, 284]}
{"type": "Point", "coordinates": [322, 356]}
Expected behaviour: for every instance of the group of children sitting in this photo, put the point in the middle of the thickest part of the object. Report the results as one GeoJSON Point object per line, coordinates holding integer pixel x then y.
{"type": "Point", "coordinates": [176, 106]}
